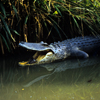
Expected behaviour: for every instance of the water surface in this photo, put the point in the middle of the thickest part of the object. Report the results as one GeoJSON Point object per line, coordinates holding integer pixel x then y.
{"type": "Point", "coordinates": [72, 79]}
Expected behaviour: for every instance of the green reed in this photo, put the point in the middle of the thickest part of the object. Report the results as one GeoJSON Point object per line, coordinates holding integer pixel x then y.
{"type": "Point", "coordinates": [37, 19]}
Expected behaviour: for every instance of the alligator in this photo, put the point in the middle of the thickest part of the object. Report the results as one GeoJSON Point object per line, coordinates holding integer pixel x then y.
{"type": "Point", "coordinates": [47, 53]}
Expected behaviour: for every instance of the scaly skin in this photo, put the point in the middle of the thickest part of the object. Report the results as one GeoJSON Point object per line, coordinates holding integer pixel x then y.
{"type": "Point", "coordinates": [79, 46]}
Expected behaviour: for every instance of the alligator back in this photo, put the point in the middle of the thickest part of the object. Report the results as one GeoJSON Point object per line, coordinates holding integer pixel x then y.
{"type": "Point", "coordinates": [80, 45]}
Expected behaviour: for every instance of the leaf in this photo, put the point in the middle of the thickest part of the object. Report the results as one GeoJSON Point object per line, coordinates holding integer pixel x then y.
{"type": "Point", "coordinates": [58, 10]}
{"type": "Point", "coordinates": [5, 24]}
{"type": "Point", "coordinates": [5, 42]}
{"type": "Point", "coordinates": [54, 22]}
{"type": "Point", "coordinates": [3, 9]}
{"type": "Point", "coordinates": [7, 28]}
{"type": "Point", "coordinates": [26, 19]}
{"type": "Point", "coordinates": [58, 31]}
{"type": "Point", "coordinates": [55, 13]}
{"type": "Point", "coordinates": [15, 10]}
{"type": "Point", "coordinates": [15, 32]}
{"type": "Point", "coordinates": [76, 23]}
{"type": "Point", "coordinates": [7, 35]}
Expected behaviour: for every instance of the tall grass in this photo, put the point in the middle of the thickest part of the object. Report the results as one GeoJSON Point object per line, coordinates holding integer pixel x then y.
{"type": "Point", "coordinates": [36, 20]}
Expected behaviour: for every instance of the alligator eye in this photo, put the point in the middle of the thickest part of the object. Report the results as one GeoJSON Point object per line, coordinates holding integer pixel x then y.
{"type": "Point", "coordinates": [45, 44]}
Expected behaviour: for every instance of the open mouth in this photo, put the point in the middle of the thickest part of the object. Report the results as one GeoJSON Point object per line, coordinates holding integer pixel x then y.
{"type": "Point", "coordinates": [44, 53]}
{"type": "Point", "coordinates": [39, 57]}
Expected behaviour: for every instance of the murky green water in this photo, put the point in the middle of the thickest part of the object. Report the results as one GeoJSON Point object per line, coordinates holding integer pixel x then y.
{"type": "Point", "coordinates": [67, 80]}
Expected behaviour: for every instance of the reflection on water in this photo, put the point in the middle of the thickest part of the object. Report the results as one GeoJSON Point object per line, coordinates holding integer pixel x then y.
{"type": "Point", "coordinates": [72, 79]}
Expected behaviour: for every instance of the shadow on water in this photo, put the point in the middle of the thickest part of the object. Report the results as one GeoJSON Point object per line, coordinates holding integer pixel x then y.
{"type": "Point", "coordinates": [66, 80]}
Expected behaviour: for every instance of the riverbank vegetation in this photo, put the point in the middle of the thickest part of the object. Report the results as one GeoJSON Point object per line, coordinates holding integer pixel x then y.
{"type": "Point", "coordinates": [46, 20]}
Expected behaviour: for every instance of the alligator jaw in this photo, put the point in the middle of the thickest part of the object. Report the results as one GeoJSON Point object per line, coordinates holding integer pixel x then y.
{"type": "Point", "coordinates": [36, 46]}
{"type": "Point", "coordinates": [44, 53]}
{"type": "Point", "coordinates": [39, 58]}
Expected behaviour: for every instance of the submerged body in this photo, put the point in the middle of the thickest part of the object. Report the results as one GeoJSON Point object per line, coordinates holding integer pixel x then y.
{"type": "Point", "coordinates": [79, 46]}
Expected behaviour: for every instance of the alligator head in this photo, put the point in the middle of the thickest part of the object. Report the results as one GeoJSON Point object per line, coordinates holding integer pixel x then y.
{"type": "Point", "coordinates": [44, 53]}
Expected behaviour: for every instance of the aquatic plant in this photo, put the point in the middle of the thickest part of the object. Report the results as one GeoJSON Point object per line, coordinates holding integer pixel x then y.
{"type": "Point", "coordinates": [37, 20]}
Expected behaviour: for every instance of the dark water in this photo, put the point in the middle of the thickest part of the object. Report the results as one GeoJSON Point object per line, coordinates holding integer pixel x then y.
{"type": "Point", "coordinates": [72, 79]}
